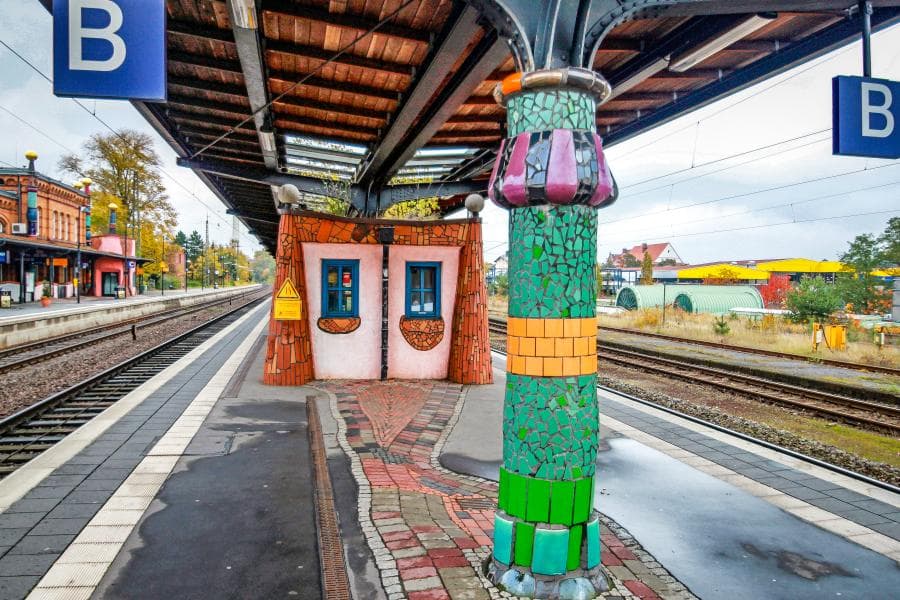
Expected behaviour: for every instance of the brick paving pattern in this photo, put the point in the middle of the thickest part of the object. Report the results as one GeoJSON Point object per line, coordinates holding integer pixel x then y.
{"type": "Point", "coordinates": [428, 528]}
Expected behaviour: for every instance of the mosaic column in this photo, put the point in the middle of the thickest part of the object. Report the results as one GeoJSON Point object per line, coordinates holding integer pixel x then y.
{"type": "Point", "coordinates": [551, 175]}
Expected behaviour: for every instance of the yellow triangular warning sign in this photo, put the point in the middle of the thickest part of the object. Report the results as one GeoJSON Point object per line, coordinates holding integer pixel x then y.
{"type": "Point", "coordinates": [288, 290]}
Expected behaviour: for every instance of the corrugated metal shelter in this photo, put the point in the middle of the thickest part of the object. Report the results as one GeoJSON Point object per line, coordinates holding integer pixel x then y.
{"type": "Point", "coordinates": [718, 299]}
{"type": "Point", "coordinates": [634, 297]}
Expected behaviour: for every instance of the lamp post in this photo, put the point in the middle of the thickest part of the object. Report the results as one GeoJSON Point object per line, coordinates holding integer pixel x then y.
{"type": "Point", "coordinates": [187, 265]}
{"type": "Point", "coordinates": [84, 184]}
{"type": "Point", "coordinates": [163, 267]}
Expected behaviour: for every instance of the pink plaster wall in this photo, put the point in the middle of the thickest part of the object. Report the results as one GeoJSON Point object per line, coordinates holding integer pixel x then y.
{"type": "Point", "coordinates": [111, 243]}
{"type": "Point", "coordinates": [355, 355]}
{"type": "Point", "coordinates": [404, 361]}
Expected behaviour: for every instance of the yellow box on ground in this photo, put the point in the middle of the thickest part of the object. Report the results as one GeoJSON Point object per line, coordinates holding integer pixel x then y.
{"type": "Point", "coordinates": [288, 306]}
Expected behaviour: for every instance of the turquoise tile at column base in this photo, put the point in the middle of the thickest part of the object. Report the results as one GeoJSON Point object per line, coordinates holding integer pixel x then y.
{"type": "Point", "coordinates": [503, 529]}
{"type": "Point", "coordinates": [592, 533]}
{"type": "Point", "coordinates": [551, 549]}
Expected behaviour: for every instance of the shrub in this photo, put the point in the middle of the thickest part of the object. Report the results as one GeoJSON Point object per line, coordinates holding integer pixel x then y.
{"type": "Point", "coordinates": [813, 300]}
{"type": "Point", "coordinates": [721, 327]}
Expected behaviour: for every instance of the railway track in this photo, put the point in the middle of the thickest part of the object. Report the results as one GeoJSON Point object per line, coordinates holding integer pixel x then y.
{"type": "Point", "coordinates": [871, 415]}
{"type": "Point", "coordinates": [33, 430]}
{"type": "Point", "coordinates": [32, 353]}
{"type": "Point", "coordinates": [759, 351]}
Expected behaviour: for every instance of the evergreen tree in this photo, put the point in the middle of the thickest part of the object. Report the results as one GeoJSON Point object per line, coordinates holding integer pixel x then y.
{"type": "Point", "coordinates": [181, 239]}
{"type": "Point", "coordinates": [193, 247]}
{"type": "Point", "coordinates": [647, 270]}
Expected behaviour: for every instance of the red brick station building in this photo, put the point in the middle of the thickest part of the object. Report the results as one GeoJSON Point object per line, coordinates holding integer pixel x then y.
{"type": "Point", "coordinates": [45, 248]}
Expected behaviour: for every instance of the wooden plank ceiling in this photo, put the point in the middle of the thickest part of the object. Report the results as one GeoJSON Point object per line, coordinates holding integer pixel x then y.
{"type": "Point", "coordinates": [355, 97]}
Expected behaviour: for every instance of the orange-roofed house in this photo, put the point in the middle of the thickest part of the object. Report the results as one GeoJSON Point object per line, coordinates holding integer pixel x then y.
{"type": "Point", "coordinates": [659, 253]}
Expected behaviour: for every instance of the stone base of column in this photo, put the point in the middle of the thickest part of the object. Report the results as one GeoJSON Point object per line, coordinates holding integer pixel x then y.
{"type": "Point", "coordinates": [581, 584]}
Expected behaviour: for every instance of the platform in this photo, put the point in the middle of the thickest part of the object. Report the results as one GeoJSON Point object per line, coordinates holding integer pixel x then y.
{"type": "Point", "coordinates": [199, 484]}
{"type": "Point", "coordinates": [32, 322]}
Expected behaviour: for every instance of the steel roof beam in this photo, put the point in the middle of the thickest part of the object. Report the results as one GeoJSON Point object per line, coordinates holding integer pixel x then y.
{"type": "Point", "coordinates": [441, 59]}
{"type": "Point", "coordinates": [254, 68]}
{"type": "Point", "coordinates": [205, 120]}
{"type": "Point", "coordinates": [487, 55]}
{"type": "Point", "coordinates": [288, 8]}
{"type": "Point", "coordinates": [798, 53]}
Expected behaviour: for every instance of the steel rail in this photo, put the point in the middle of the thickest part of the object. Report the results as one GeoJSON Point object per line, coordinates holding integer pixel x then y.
{"type": "Point", "coordinates": [14, 453]}
{"type": "Point", "coordinates": [748, 438]}
{"type": "Point", "coordinates": [670, 368]}
{"type": "Point", "coordinates": [774, 353]}
{"type": "Point", "coordinates": [46, 351]}
{"type": "Point", "coordinates": [665, 366]}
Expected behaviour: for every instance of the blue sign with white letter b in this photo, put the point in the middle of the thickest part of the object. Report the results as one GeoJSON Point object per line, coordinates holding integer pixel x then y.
{"type": "Point", "coordinates": [110, 49]}
{"type": "Point", "coordinates": [866, 117]}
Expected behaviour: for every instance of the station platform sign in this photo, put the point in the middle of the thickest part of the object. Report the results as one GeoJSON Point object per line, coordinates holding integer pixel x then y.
{"type": "Point", "coordinates": [110, 49]}
{"type": "Point", "coordinates": [866, 117]}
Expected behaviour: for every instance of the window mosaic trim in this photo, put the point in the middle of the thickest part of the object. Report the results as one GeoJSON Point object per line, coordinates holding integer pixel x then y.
{"type": "Point", "coordinates": [340, 288]}
{"type": "Point", "coordinates": [423, 290]}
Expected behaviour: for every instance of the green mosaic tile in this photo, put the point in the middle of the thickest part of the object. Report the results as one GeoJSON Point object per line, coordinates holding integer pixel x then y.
{"type": "Point", "coordinates": [551, 547]}
{"type": "Point", "coordinates": [592, 535]}
{"type": "Point", "coordinates": [561, 501]}
{"type": "Point", "coordinates": [541, 110]}
{"type": "Point", "coordinates": [503, 530]}
{"type": "Point", "coordinates": [503, 492]}
{"type": "Point", "coordinates": [574, 560]}
{"type": "Point", "coordinates": [584, 492]}
{"type": "Point", "coordinates": [517, 500]}
{"type": "Point", "coordinates": [560, 441]}
{"type": "Point", "coordinates": [538, 501]}
{"type": "Point", "coordinates": [552, 261]}
{"type": "Point", "coordinates": [524, 544]}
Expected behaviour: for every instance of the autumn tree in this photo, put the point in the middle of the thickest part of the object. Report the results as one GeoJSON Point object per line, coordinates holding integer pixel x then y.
{"type": "Point", "coordinates": [647, 270]}
{"type": "Point", "coordinates": [125, 170]}
{"type": "Point", "coordinates": [262, 267]}
{"type": "Point", "coordinates": [630, 261]}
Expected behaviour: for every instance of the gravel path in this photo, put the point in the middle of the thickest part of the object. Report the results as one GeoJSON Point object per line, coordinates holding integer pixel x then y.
{"type": "Point", "coordinates": [25, 386]}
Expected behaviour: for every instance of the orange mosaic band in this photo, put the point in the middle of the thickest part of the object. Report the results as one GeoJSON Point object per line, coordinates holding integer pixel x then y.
{"type": "Point", "coordinates": [551, 347]}
{"type": "Point", "coordinates": [585, 79]}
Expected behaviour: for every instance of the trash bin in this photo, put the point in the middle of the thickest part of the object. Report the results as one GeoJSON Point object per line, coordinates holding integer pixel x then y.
{"type": "Point", "coordinates": [5, 299]}
{"type": "Point", "coordinates": [120, 293]}
{"type": "Point", "coordinates": [142, 289]}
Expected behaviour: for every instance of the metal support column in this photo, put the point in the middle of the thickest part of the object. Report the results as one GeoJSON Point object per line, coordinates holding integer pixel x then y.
{"type": "Point", "coordinates": [865, 13]}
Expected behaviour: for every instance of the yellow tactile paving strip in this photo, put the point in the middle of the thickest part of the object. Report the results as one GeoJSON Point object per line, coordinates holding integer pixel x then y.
{"type": "Point", "coordinates": [551, 347]}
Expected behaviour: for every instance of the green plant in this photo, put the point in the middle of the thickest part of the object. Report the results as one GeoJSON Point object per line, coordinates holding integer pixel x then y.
{"type": "Point", "coordinates": [647, 270]}
{"type": "Point", "coordinates": [46, 291]}
{"type": "Point", "coordinates": [813, 300]}
{"type": "Point", "coordinates": [721, 327]}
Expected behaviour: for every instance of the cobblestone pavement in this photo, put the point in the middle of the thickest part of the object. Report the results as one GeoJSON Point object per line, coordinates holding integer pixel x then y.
{"type": "Point", "coordinates": [430, 529]}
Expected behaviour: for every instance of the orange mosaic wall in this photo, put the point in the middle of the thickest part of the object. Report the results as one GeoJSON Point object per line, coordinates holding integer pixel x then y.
{"type": "Point", "coordinates": [289, 349]}
{"type": "Point", "coordinates": [470, 354]}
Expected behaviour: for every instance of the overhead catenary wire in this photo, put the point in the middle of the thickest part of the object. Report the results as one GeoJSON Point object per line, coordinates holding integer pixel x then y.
{"type": "Point", "coordinates": [343, 50]}
{"type": "Point", "coordinates": [772, 207]}
{"type": "Point", "coordinates": [754, 193]}
{"type": "Point", "coordinates": [766, 225]}
{"type": "Point", "coordinates": [107, 126]}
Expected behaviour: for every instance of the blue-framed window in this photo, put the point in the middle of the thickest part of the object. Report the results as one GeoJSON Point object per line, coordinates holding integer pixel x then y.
{"type": "Point", "coordinates": [423, 290]}
{"type": "Point", "coordinates": [340, 288]}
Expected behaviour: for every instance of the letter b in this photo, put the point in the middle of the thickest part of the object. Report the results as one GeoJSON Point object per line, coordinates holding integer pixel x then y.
{"type": "Point", "coordinates": [884, 109]}
{"type": "Point", "coordinates": [77, 33]}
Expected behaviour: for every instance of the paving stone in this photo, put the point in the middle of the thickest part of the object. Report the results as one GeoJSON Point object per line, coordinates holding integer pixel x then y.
{"type": "Point", "coordinates": [59, 526]}
{"type": "Point", "coordinates": [20, 519]}
{"type": "Point", "coordinates": [32, 505]}
{"type": "Point", "coordinates": [16, 588]}
{"type": "Point", "coordinates": [891, 529]}
{"type": "Point", "coordinates": [26, 564]}
{"type": "Point", "coordinates": [68, 511]}
{"type": "Point", "coordinates": [43, 544]}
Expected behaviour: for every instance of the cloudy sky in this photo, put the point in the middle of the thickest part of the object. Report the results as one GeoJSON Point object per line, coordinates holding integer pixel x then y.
{"type": "Point", "coordinates": [722, 183]}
